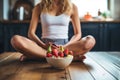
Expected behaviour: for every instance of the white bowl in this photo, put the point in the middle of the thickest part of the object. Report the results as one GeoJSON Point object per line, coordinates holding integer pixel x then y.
{"type": "Point", "coordinates": [60, 62]}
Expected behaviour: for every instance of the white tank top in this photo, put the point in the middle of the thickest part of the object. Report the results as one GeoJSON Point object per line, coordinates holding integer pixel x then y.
{"type": "Point", "coordinates": [54, 27]}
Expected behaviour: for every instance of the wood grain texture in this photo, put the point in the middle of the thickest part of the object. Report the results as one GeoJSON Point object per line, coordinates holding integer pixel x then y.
{"type": "Point", "coordinates": [97, 66]}
{"type": "Point", "coordinates": [108, 62]}
{"type": "Point", "coordinates": [78, 71]}
{"type": "Point", "coordinates": [9, 66]}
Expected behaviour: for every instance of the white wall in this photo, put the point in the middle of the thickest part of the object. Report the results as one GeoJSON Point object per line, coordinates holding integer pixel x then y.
{"type": "Point", "coordinates": [115, 9]}
{"type": "Point", "coordinates": [91, 6]}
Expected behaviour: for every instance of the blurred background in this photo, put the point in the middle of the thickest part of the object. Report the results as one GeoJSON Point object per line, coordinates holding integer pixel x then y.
{"type": "Point", "coordinates": [100, 9]}
{"type": "Point", "coordinates": [99, 18]}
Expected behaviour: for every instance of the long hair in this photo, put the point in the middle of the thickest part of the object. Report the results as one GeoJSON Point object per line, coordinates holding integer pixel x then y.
{"type": "Point", "coordinates": [47, 5]}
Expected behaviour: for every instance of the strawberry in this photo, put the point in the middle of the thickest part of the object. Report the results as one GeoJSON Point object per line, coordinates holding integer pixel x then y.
{"type": "Point", "coordinates": [70, 52]}
{"type": "Point", "coordinates": [55, 52]}
{"type": "Point", "coordinates": [66, 51]}
{"type": "Point", "coordinates": [49, 55]}
{"type": "Point", "coordinates": [61, 54]}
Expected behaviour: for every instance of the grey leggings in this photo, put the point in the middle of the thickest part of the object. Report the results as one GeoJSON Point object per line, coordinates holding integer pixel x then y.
{"type": "Point", "coordinates": [55, 41]}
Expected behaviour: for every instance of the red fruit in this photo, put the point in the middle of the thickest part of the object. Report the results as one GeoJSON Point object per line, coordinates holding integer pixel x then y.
{"type": "Point", "coordinates": [61, 54]}
{"type": "Point", "coordinates": [49, 55]}
{"type": "Point", "coordinates": [66, 51]}
{"type": "Point", "coordinates": [70, 52]}
{"type": "Point", "coordinates": [55, 52]}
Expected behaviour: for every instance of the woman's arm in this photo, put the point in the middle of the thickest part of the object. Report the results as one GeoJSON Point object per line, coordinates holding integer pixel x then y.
{"type": "Point", "coordinates": [33, 25]}
{"type": "Point", "coordinates": [76, 26]}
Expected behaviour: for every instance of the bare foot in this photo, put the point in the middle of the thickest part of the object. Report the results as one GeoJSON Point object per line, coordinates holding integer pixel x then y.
{"type": "Point", "coordinates": [80, 58]}
{"type": "Point", "coordinates": [22, 58]}
{"type": "Point", "coordinates": [25, 58]}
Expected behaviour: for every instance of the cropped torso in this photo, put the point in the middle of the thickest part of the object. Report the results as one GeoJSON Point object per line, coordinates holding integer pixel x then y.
{"type": "Point", "coordinates": [54, 27]}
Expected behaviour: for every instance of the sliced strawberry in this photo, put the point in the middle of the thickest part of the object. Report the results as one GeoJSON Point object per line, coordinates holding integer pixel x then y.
{"type": "Point", "coordinates": [49, 55]}
{"type": "Point", "coordinates": [66, 51]}
{"type": "Point", "coordinates": [61, 54]}
{"type": "Point", "coordinates": [55, 52]}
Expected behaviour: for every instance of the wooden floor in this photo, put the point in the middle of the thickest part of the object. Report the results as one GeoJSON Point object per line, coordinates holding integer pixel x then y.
{"type": "Point", "coordinates": [97, 66]}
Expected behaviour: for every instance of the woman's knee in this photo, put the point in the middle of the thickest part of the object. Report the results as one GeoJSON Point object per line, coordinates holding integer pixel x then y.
{"type": "Point", "coordinates": [89, 42]}
{"type": "Point", "coordinates": [16, 41]}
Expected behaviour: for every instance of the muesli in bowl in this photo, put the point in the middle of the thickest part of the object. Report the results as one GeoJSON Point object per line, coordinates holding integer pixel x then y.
{"type": "Point", "coordinates": [59, 58]}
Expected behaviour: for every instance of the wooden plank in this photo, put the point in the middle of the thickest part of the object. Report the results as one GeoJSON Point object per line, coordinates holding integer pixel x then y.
{"type": "Point", "coordinates": [97, 71]}
{"type": "Point", "coordinates": [114, 57]}
{"type": "Point", "coordinates": [97, 66]}
{"type": "Point", "coordinates": [111, 63]}
{"type": "Point", "coordinates": [101, 64]}
{"type": "Point", "coordinates": [39, 71]}
{"type": "Point", "coordinates": [115, 54]}
{"type": "Point", "coordinates": [68, 77]}
{"type": "Point", "coordinates": [12, 69]}
{"type": "Point", "coordinates": [54, 74]}
{"type": "Point", "coordinates": [31, 70]}
{"type": "Point", "coordinates": [28, 71]}
{"type": "Point", "coordinates": [5, 55]}
{"type": "Point", "coordinates": [78, 71]}
{"type": "Point", "coordinates": [9, 57]}
{"type": "Point", "coordinates": [9, 66]}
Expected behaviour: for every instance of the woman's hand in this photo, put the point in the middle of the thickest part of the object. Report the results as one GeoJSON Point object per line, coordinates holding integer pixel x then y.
{"type": "Point", "coordinates": [54, 46]}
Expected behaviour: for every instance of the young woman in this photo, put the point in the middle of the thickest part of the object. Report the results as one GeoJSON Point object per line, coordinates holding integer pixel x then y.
{"type": "Point", "coordinates": [54, 16]}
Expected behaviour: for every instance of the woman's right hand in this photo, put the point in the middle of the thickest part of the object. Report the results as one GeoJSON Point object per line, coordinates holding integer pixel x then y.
{"type": "Point", "coordinates": [54, 46]}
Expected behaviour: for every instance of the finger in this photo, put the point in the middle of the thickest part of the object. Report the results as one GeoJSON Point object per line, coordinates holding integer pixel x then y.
{"type": "Point", "coordinates": [49, 42]}
{"type": "Point", "coordinates": [55, 45]}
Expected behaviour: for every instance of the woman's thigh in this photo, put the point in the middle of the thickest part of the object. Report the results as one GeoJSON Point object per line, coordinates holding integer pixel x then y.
{"type": "Point", "coordinates": [27, 46]}
{"type": "Point", "coordinates": [83, 45]}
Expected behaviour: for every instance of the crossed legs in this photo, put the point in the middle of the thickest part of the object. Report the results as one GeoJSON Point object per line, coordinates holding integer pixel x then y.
{"type": "Point", "coordinates": [27, 47]}
{"type": "Point", "coordinates": [82, 46]}
{"type": "Point", "coordinates": [32, 50]}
